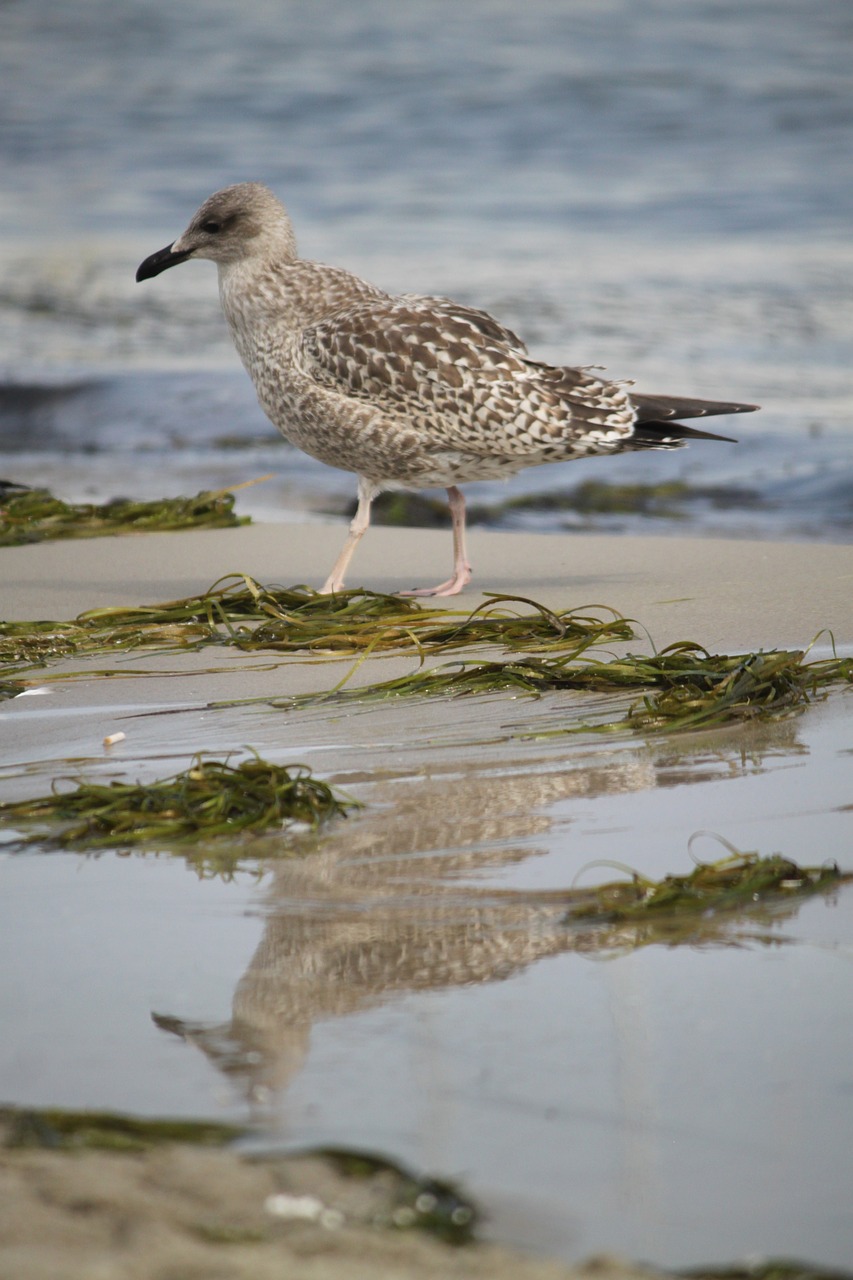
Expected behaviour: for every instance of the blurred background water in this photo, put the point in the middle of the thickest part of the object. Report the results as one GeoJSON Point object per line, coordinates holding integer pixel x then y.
{"type": "Point", "coordinates": [660, 188]}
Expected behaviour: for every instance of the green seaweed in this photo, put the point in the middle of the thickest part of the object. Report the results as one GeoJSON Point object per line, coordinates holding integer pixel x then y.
{"type": "Point", "coordinates": [105, 1131]}
{"type": "Point", "coordinates": [690, 687]}
{"type": "Point", "coordinates": [35, 515]}
{"type": "Point", "coordinates": [210, 800]}
{"type": "Point", "coordinates": [239, 612]}
{"type": "Point", "coordinates": [666, 499]}
{"type": "Point", "coordinates": [739, 881]}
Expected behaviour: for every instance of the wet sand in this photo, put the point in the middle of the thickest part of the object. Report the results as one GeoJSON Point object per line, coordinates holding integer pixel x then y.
{"type": "Point", "coordinates": [140, 1216]}
{"type": "Point", "coordinates": [725, 594]}
{"type": "Point", "coordinates": [197, 1214]}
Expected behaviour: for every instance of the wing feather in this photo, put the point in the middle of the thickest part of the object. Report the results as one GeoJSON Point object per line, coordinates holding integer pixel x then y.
{"type": "Point", "coordinates": [462, 379]}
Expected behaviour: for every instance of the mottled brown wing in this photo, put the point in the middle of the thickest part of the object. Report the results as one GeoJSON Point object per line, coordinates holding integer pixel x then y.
{"type": "Point", "coordinates": [484, 323]}
{"type": "Point", "coordinates": [462, 379]}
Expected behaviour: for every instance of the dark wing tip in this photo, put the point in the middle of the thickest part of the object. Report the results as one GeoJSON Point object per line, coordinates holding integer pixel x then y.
{"type": "Point", "coordinates": [665, 408]}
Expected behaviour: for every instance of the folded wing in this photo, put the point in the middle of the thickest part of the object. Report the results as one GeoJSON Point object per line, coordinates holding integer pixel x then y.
{"type": "Point", "coordinates": [463, 379]}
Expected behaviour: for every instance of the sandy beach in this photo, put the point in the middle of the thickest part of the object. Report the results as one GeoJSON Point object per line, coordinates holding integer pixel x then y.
{"type": "Point", "coordinates": [726, 595]}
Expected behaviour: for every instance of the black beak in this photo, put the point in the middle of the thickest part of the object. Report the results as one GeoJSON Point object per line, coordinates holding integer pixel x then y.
{"type": "Point", "coordinates": [160, 261]}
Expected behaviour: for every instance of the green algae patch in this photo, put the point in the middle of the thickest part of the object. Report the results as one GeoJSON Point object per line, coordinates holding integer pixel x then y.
{"type": "Point", "coordinates": [690, 688]}
{"type": "Point", "coordinates": [35, 515]}
{"type": "Point", "coordinates": [361, 621]}
{"type": "Point", "coordinates": [53, 1129]}
{"type": "Point", "coordinates": [241, 613]}
{"type": "Point", "coordinates": [695, 689]}
{"type": "Point", "coordinates": [210, 800]}
{"type": "Point", "coordinates": [678, 907]}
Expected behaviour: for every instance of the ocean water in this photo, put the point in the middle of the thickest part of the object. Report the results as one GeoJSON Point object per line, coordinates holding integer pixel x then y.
{"type": "Point", "coordinates": [660, 188]}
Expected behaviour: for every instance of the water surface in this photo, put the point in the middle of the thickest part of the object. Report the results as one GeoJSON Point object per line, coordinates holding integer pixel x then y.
{"type": "Point", "coordinates": [409, 984]}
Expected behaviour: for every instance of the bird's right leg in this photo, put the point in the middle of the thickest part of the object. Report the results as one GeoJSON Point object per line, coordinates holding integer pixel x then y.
{"type": "Point", "coordinates": [367, 491]}
{"type": "Point", "coordinates": [461, 565]}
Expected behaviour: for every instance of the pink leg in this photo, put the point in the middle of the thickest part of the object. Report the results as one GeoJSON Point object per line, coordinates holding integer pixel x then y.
{"type": "Point", "coordinates": [461, 567]}
{"type": "Point", "coordinates": [366, 493]}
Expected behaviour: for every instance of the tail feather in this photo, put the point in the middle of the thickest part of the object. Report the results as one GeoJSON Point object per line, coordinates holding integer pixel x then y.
{"type": "Point", "coordinates": [668, 435]}
{"type": "Point", "coordinates": [655, 427]}
{"type": "Point", "coordinates": [665, 408]}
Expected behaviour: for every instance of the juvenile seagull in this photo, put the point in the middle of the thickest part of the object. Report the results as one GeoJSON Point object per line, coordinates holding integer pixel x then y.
{"type": "Point", "coordinates": [408, 392]}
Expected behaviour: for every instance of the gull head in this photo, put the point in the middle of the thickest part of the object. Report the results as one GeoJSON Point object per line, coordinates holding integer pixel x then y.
{"type": "Point", "coordinates": [234, 224]}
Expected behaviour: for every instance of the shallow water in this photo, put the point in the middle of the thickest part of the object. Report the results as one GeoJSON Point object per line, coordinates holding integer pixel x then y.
{"type": "Point", "coordinates": [664, 189]}
{"type": "Point", "coordinates": [409, 984]}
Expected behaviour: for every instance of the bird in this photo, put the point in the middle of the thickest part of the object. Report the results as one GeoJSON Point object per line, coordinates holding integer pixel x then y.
{"type": "Point", "coordinates": [408, 391]}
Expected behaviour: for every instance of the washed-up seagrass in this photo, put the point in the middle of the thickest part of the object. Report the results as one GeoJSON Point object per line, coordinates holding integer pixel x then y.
{"type": "Point", "coordinates": [239, 612]}
{"type": "Point", "coordinates": [35, 515]}
{"type": "Point", "coordinates": [740, 880]}
{"type": "Point", "coordinates": [210, 799]}
{"type": "Point", "coordinates": [740, 900]}
{"type": "Point", "coordinates": [689, 687]}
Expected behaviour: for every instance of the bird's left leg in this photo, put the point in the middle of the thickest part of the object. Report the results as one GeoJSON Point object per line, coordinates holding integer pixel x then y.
{"type": "Point", "coordinates": [367, 491]}
{"type": "Point", "coordinates": [461, 567]}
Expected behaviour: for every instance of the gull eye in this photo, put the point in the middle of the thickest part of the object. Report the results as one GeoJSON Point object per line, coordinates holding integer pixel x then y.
{"type": "Point", "coordinates": [211, 226]}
